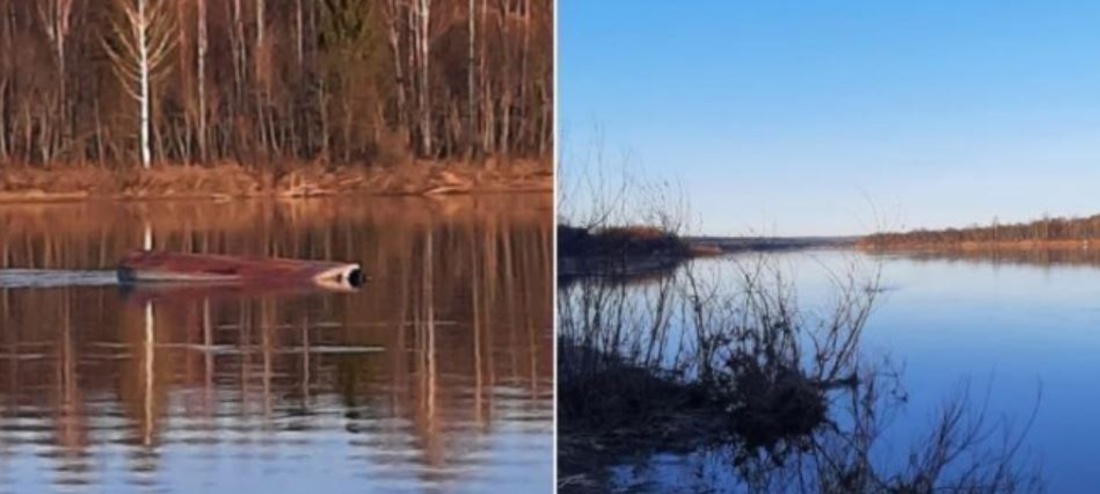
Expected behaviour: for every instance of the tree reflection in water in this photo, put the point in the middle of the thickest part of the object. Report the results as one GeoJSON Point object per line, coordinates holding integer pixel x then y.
{"type": "Point", "coordinates": [427, 376]}
{"type": "Point", "coordinates": [719, 362]}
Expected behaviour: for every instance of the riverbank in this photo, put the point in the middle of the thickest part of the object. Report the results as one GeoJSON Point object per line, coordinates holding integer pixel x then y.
{"type": "Point", "coordinates": [615, 412]}
{"type": "Point", "coordinates": [624, 253]}
{"type": "Point", "coordinates": [233, 180]}
{"type": "Point", "coordinates": [612, 412]}
{"type": "Point", "coordinates": [974, 246]}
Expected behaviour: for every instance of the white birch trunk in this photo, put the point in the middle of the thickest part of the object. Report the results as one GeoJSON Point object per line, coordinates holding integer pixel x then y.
{"type": "Point", "coordinates": [138, 54]}
{"type": "Point", "coordinates": [471, 83]}
{"type": "Point", "coordinates": [298, 29]}
{"type": "Point", "coordinates": [143, 68]}
{"type": "Point", "coordinates": [423, 11]}
{"type": "Point", "coordinates": [202, 80]}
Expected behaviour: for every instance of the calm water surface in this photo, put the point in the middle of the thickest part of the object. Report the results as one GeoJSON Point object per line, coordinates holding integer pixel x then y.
{"type": "Point", "coordinates": [1023, 331]}
{"type": "Point", "coordinates": [435, 377]}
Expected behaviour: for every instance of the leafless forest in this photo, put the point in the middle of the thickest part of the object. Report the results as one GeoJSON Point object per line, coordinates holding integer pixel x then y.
{"type": "Point", "coordinates": [1045, 230]}
{"type": "Point", "coordinates": [127, 83]}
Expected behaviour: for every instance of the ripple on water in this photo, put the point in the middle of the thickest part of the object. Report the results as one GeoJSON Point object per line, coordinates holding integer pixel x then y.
{"type": "Point", "coordinates": [52, 278]}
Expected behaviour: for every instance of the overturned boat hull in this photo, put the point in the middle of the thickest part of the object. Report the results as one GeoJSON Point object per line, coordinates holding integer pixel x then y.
{"type": "Point", "coordinates": [167, 267]}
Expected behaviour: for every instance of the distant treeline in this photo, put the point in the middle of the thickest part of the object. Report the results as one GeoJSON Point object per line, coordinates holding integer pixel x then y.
{"type": "Point", "coordinates": [1044, 230]}
{"type": "Point", "coordinates": [255, 81]}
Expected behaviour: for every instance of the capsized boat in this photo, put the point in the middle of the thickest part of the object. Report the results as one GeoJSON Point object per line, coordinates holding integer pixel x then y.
{"type": "Point", "coordinates": [143, 266]}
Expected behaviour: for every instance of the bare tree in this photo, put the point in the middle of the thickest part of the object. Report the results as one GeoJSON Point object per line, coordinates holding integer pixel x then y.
{"type": "Point", "coordinates": [393, 36]}
{"type": "Point", "coordinates": [56, 17]}
{"type": "Point", "coordinates": [423, 12]}
{"type": "Point", "coordinates": [202, 49]}
{"type": "Point", "coordinates": [471, 83]}
{"type": "Point", "coordinates": [443, 79]}
{"type": "Point", "coordinates": [140, 49]}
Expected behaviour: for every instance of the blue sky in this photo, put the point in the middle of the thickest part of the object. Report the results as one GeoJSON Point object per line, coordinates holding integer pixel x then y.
{"type": "Point", "coordinates": [831, 117]}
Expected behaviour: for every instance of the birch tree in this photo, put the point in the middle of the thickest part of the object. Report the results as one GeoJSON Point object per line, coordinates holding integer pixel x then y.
{"type": "Point", "coordinates": [343, 81]}
{"type": "Point", "coordinates": [56, 17]}
{"type": "Point", "coordinates": [471, 82]}
{"type": "Point", "coordinates": [393, 35]}
{"type": "Point", "coordinates": [262, 88]}
{"type": "Point", "coordinates": [139, 52]}
{"type": "Point", "coordinates": [422, 36]}
{"type": "Point", "coordinates": [202, 48]}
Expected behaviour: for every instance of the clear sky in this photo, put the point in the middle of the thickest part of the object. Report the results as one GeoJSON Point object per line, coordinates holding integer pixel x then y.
{"type": "Point", "coordinates": [815, 117]}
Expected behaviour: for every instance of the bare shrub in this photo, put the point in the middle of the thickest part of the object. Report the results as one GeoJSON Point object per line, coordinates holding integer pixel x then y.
{"type": "Point", "coordinates": [721, 356]}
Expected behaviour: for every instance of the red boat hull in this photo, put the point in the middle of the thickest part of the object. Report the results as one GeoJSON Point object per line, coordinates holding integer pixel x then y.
{"type": "Point", "coordinates": [156, 266]}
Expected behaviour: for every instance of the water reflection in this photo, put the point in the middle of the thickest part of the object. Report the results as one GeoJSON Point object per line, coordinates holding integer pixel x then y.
{"type": "Point", "coordinates": [726, 377]}
{"type": "Point", "coordinates": [436, 376]}
{"type": "Point", "coordinates": [1081, 256]}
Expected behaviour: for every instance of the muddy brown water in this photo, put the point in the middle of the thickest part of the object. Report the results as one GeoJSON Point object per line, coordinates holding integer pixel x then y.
{"type": "Point", "coordinates": [436, 376]}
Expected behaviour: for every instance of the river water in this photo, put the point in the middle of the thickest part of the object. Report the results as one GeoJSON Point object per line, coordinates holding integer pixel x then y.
{"type": "Point", "coordinates": [1017, 333]}
{"type": "Point", "coordinates": [436, 376]}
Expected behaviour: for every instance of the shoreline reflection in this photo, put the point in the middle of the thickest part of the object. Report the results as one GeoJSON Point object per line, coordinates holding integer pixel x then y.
{"type": "Point", "coordinates": [436, 375]}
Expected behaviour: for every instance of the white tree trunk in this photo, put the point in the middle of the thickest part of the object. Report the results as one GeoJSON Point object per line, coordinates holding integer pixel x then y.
{"type": "Point", "coordinates": [423, 11]}
{"type": "Point", "coordinates": [143, 68]}
{"type": "Point", "coordinates": [242, 51]}
{"type": "Point", "coordinates": [138, 52]}
{"type": "Point", "coordinates": [471, 83]}
{"type": "Point", "coordinates": [394, 36]}
{"type": "Point", "coordinates": [298, 30]}
{"type": "Point", "coordinates": [260, 22]}
{"type": "Point", "coordinates": [202, 80]}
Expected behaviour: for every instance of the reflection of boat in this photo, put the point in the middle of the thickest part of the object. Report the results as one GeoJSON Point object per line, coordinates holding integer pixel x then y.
{"type": "Point", "coordinates": [139, 293]}
{"type": "Point", "coordinates": [158, 266]}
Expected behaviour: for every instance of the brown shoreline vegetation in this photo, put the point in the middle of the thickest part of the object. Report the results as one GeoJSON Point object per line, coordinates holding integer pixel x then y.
{"type": "Point", "coordinates": [230, 180]}
{"type": "Point", "coordinates": [1045, 234]}
{"type": "Point", "coordinates": [623, 252]}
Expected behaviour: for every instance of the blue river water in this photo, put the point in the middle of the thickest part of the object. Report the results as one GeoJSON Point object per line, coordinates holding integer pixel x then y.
{"type": "Point", "coordinates": [1023, 337]}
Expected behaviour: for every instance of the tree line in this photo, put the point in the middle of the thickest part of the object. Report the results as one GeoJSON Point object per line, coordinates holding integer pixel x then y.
{"type": "Point", "coordinates": [114, 82]}
{"type": "Point", "coordinates": [1045, 229]}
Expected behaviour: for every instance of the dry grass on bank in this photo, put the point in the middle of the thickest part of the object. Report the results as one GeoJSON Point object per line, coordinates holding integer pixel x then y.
{"type": "Point", "coordinates": [233, 180]}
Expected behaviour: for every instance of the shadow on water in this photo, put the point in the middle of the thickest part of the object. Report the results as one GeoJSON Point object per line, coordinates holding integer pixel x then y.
{"type": "Point", "coordinates": [434, 376]}
{"type": "Point", "coordinates": [720, 369]}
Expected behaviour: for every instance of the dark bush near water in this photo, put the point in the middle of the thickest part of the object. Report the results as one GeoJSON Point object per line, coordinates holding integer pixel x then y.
{"type": "Point", "coordinates": [627, 241]}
